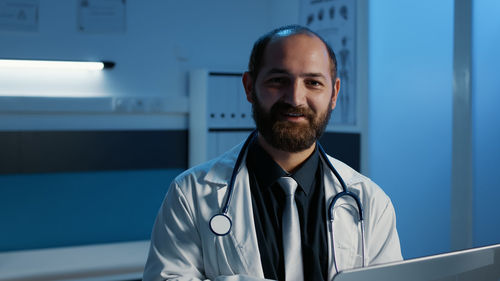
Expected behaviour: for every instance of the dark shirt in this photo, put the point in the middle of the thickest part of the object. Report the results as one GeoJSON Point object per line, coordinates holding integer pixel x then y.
{"type": "Point", "coordinates": [268, 201]}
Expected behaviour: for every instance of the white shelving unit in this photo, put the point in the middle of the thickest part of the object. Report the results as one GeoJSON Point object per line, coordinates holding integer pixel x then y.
{"type": "Point", "coordinates": [220, 116]}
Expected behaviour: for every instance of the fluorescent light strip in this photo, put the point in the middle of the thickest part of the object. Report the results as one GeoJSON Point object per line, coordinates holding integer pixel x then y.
{"type": "Point", "coordinates": [46, 64]}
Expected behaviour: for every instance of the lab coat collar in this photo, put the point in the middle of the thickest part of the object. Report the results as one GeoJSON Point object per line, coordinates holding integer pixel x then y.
{"type": "Point", "coordinates": [222, 167]}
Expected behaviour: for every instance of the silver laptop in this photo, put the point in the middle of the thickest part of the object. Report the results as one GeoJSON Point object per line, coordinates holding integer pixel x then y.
{"type": "Point", "coordinates": [473, 264]}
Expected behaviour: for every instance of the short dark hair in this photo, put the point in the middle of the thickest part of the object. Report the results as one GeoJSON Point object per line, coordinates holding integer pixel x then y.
{"type": "Point", "coordinates": [259, 47]}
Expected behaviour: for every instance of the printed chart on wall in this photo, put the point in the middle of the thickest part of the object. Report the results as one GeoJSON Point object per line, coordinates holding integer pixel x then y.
{"type": "Point", "coordinates": [335, 21]}
{"type": "Point", "coordinates": [102, 16]}
{"type": "Point", "coordinates": [19, 15]}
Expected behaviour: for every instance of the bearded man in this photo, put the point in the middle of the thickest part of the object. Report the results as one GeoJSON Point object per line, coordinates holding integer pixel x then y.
{"type": "Point", "coordinates": [270, 217]}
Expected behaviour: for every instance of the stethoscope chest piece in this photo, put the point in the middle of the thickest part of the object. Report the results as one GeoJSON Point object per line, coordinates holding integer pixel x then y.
{"type": "Point", "coordinates": [220, 224]}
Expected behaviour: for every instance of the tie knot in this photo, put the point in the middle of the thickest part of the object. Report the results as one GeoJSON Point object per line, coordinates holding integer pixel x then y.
{"type": "Point", "coordinates": [288, 184]}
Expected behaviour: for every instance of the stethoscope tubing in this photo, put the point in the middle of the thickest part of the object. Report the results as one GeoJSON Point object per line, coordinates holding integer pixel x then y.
{"type": "Point", "coordinates": [345, 192]}
{"type": "Point", "coordinates": [236, 170]}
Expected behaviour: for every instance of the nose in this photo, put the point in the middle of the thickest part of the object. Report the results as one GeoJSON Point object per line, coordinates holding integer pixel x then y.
{"type": "Point", "coordinates": [295, 95]}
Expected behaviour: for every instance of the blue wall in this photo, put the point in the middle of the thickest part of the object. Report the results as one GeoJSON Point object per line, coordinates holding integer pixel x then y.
{"type": "Point", "coordinates": [486, 121]}
{"type": "Point", "coordinates": [63, 209]}
{"type": "Point", "coordinates": [410, 103]}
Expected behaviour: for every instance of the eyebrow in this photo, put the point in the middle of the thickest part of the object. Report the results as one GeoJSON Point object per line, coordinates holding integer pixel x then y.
{"type": "Point", "coordinates": [306, 74]}
{"type": "Point", "coordinates": [276, 71]}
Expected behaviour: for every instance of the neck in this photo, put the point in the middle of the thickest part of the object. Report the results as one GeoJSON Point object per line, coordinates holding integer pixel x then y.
{"type": "Point", "coordinates": [288, 161]}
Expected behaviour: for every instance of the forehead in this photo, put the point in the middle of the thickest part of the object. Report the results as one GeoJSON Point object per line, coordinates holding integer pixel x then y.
{"type": "Point", "coordinates": [297, 52]}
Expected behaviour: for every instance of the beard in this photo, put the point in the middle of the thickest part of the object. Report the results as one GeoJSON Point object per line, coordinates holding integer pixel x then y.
{"type": "Point", "coordinates": [285, 135]}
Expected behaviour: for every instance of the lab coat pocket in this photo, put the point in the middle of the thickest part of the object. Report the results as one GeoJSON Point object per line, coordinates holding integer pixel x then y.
{"type": "Point", "coordinates": [347, 237]}
{"type": "Point", "coordinates": [347, 259]}
{"type": "Point", "coordinates": [228, 256]}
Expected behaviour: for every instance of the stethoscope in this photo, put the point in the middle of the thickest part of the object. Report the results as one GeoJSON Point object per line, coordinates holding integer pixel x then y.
{"type": "Point", "coordinates": [221, 224]}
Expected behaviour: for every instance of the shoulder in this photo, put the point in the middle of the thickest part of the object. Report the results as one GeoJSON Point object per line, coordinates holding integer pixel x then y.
{"type": "Point", "coordinates": [215, 172]}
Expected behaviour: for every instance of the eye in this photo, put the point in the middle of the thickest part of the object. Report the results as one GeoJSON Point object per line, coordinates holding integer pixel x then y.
{"type": "Point", "coordinates": [277, 81]}
{"type": "Point", "coordinates": [314, 83]}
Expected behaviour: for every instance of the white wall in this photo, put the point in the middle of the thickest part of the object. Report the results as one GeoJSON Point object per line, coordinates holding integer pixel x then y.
{"type": "Point", "coordinates": [163, 40]}
{"type": "Point", "coordinates": [486, 117]}
{"type": "Point", "coordinates": [410, 72]}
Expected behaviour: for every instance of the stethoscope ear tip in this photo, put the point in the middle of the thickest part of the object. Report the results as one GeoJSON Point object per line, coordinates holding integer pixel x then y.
{"type": "Point", "coordinates": [220, 224]}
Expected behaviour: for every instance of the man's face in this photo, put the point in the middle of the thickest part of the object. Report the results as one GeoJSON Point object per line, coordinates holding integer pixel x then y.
{"type": "Point", "coordinates": [293, 95]}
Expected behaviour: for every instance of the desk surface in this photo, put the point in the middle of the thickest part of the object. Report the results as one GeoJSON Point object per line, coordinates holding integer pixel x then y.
{"type": "Point", "coordinates": [116, 261]}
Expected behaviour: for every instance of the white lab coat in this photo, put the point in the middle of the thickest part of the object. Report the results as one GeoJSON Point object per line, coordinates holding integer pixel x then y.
{"type": "Point", "coordinates": [184, 248]}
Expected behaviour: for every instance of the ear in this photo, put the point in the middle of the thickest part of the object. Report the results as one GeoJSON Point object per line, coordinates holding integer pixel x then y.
{"type": "Point", "coordinates": [335, 94]}
{"type": "Point", "coordinates": [248, 85]}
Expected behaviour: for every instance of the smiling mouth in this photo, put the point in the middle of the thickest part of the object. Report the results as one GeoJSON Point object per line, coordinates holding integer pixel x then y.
{"type": "Point", "coordinates": [293, 117]}
{"type": "Point", "coordinates": [294, 114]}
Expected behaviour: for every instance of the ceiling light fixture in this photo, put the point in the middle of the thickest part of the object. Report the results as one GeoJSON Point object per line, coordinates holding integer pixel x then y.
{"type": "Point", "coordinates": [53, 64]}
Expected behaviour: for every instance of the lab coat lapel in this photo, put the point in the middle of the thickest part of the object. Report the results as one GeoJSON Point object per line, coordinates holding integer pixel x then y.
{"type": "Point", "coordinates": [239, 250]}
{"type": "Point", "coordinates": [346, 225]}
{"type": "Point", "coordinates": [243, 231]}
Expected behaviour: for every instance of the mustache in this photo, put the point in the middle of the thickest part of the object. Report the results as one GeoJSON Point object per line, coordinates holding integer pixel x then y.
{"type": "Point", "coordinates": [281, 107]}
